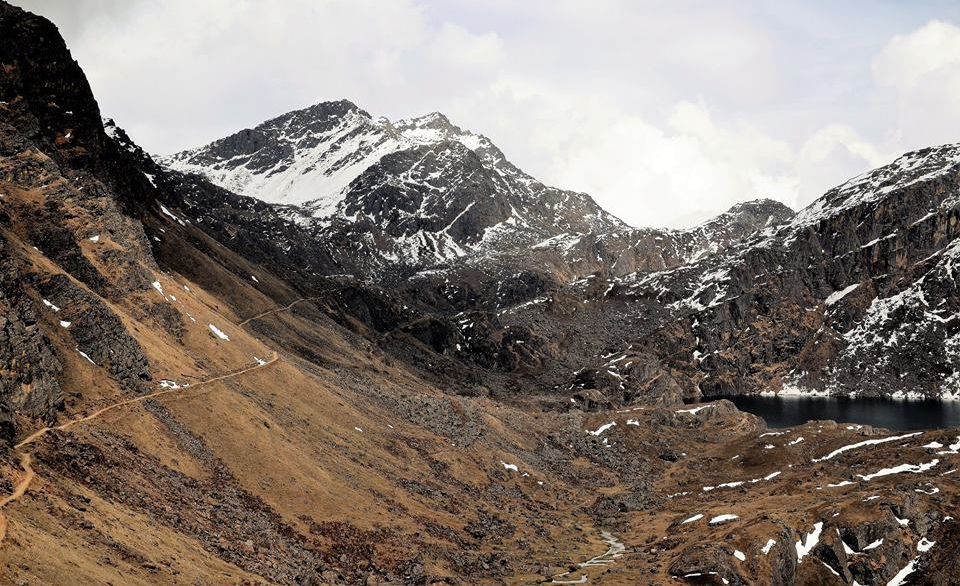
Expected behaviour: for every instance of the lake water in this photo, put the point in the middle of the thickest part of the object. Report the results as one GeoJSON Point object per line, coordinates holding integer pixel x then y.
{"type": "Point", "coordinates": [895, 415]}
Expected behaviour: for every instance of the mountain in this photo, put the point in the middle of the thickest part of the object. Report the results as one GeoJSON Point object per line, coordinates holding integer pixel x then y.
{"type": "Point", "coordinates": [423, 193]}
{"type": "Point", "coordinates": [420, 191]}
{"type": "Point", "coordinates": [200, 386]}
{"type": "Point", "coordinates": [853, 296]}
{"type": "Point", "coordinates": [863, 277]}
{"type": "Point", "coordinates": [626, 251]}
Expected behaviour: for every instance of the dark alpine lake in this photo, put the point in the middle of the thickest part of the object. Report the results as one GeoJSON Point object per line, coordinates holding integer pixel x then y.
{"type": "Point", "coordinates": [895, 415]}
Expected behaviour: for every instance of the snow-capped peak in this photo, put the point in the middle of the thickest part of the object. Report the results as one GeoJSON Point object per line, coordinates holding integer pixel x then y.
{"type": "Point", "coordinates": [423, 189]}
{"type": "Point", "coordinates": [309, 157]}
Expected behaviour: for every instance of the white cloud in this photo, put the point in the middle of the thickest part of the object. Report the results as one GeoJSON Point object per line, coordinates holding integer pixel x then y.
{"type": "Point", "coordinates": [831, 154]}
{"type": "Point", "coordinates": [665, 112]}
{"type": "Point", "coordinates": [922, 69]}
{"type": "Point", "coordinates": [456, 46]}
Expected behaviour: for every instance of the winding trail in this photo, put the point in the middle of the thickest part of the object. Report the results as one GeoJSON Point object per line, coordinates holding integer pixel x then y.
{"type": "Point", "coordinates": [26, 458]}
{"type": "Point", "coordinates": [18, 491]}
{"type": "Point", "coordinates": [182, 390]}
{"type": "Point", "coordinates": [276, 310]}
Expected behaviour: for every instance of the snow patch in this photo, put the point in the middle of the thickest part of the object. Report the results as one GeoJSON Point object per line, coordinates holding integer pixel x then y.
{"type": "Point", "coordinates": [84, 354]}
{"type": "Point", "coordinates": [218, 333]}
{"type": "Point", "coordinates": [720, 519]}
{"type": "Point", "coordinates": [602, 428]}
{"type": "Point", "coordinates": [809, 542]}
{"type": "Point", "coordinates": [900, 469]}
{"type": "Point", "coordinates": [870, 442]}
{"type": "Point", "coordinates": [838, 295]}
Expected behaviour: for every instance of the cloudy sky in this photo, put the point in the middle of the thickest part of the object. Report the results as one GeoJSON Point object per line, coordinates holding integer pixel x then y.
{"type": "Point", "coordinates": [665, 112]}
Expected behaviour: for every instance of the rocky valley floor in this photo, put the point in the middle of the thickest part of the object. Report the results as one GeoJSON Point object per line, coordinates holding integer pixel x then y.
{"type": "Point", "coordinates": [254, 465]}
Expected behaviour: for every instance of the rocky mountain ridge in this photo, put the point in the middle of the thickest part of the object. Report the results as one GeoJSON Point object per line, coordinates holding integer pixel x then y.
{"type": "Point", "coordinates": [423, 193]}
{"type": "Point", "coordinates": [852, 296]}
{"type": "Point", "coordinates": [193, 391]}
{"type": "Point", "coordinates": [419, 191]}
{"type": "Point", "coordinates": [753, 266]}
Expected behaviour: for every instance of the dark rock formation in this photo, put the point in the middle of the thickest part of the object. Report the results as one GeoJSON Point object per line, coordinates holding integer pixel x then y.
{"type": "Point", "coordinates": [30, 368]}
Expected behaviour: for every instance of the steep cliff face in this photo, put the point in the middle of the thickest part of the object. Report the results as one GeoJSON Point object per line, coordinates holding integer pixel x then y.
{"type": "Point", "coordinates": [30, 380]}
{"type": "Point", "coordinates": [69, 239]}
{"type": "Point", "coordinates": [45, 94]}
{"type": "Point", "coordinates": [852, 296]}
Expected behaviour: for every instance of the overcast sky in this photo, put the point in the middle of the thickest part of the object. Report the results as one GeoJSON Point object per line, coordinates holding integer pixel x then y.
{"type": "Point", "coordinates": [665, 112]}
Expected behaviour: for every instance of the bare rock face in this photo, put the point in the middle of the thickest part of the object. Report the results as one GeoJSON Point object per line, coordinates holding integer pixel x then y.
{"type": "Point", "coordinates": [72, 194]}
{"type": "Point", "coordinates": [98, 332]}
{"type": "Point", "coordinates": [708, 564]}
{"type": "Point", "coordinates": [643, 250]}
{"type": "Point", "coordinates": [43, 91]}
{"type": "Point", "coordinates": [28, 385]}
{"type": "Point", "coordinates": [829, 296]}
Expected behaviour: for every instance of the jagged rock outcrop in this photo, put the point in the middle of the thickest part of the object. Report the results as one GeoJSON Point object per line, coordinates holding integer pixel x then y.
{"type": "Point", "coordinates": [97, 332]}
{"type": "Point", "coordinates": [29, 383]}
{"type": "Point", "coordinates": [832, 301]}
{"type": "Point", "coordinates": [643, 250]}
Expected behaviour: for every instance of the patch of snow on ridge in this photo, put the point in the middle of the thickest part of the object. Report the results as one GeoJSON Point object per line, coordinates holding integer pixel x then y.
{"type": "Point", "coordinates": [871, 442]}
{"type": "Point", "coordinates": [719, 519]}
{"type": "Point", "coordinates": [900, 469]}
{"type": "Point", "coordinates": [167, 212]}
{"type": "Point", "coordinates": [694, 410]}
{"type": "Point", "coordinates": [838, 295]}
{"type": "Point", "coordinates": [217, 332]}
{"type": "Point", "coordinates": [809, 541]}
{"type": "Point", "coordinates": [84, 354]}
{"type": "Point", "coordinates": [901, 577]}
{"type": "Point", "coordinates": [603, 428]}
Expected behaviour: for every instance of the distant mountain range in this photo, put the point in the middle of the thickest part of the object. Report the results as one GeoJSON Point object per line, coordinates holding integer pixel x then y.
{"type": "Point", "coordinates": [423, 203]}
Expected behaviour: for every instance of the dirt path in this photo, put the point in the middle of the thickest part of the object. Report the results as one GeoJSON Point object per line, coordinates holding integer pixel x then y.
{"type": "Point", "coordinates": [276, 310]}
{"type": "Point", "coordinates": [27, 458]}
{"type": "Point", "coordinates": [41, 432]}
{"type": "Point", "coordinates": [18, 491]}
